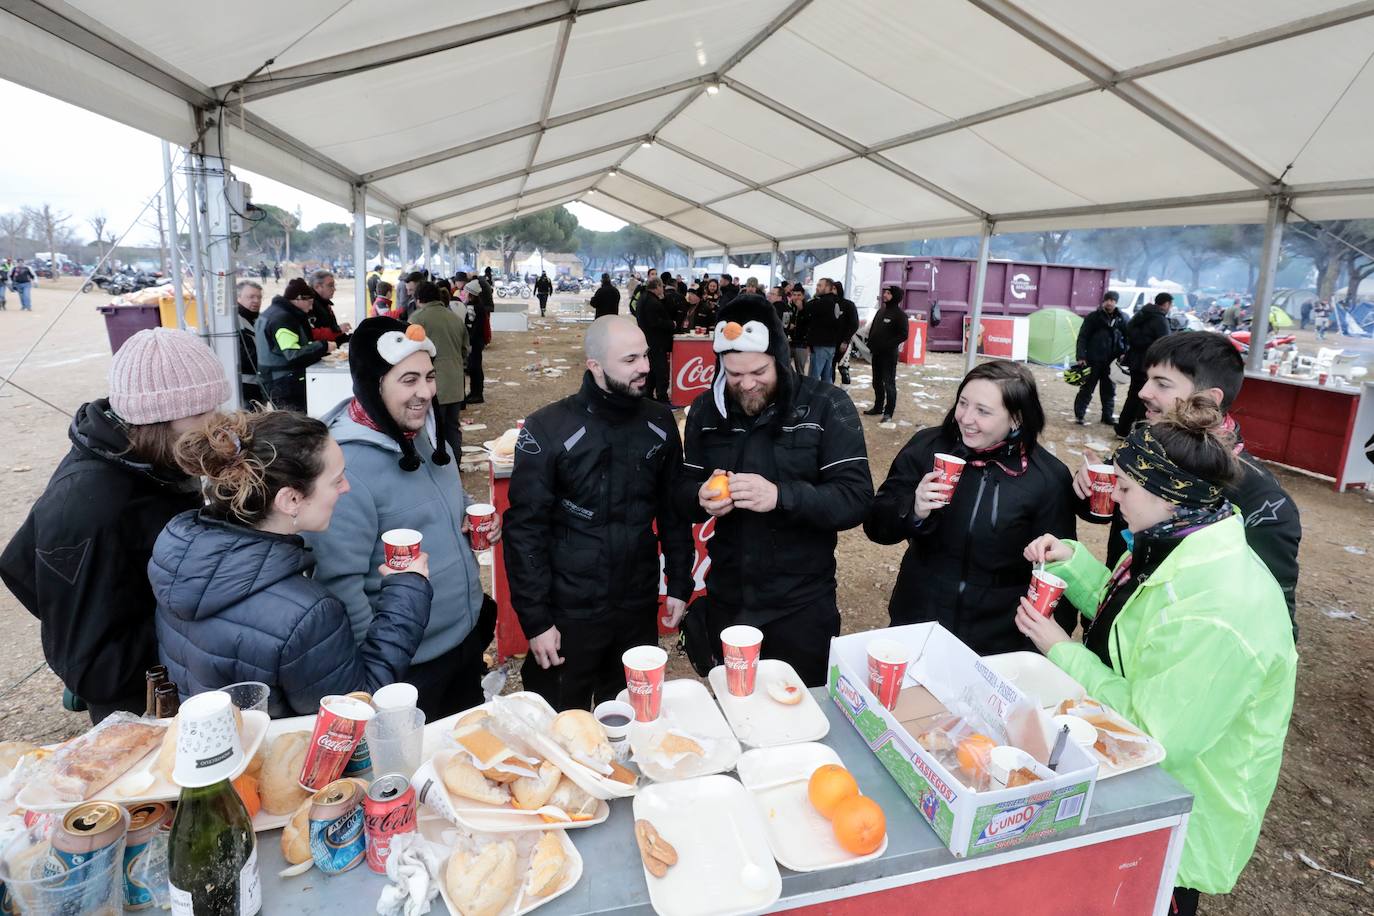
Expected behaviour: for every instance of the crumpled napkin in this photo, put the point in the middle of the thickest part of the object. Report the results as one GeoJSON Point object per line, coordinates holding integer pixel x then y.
{"type": "Point", "coordinates": [413, 867]}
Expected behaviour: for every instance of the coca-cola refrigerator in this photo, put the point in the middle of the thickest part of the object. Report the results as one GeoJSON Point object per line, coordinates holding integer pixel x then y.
{"type": "Point", "coordinates": [692, 368]}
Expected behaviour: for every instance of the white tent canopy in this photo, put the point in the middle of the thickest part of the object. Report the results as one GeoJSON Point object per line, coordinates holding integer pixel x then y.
{"type": "Point", "coordinates": [741, 126]}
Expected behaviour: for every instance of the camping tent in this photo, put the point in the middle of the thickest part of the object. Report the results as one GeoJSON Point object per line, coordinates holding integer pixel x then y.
{"type": "Point", "coordinates": [1053, 336]}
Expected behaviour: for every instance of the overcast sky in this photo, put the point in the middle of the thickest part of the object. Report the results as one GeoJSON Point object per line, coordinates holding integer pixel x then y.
{"type": "Point", "coordinates": [84, 164]}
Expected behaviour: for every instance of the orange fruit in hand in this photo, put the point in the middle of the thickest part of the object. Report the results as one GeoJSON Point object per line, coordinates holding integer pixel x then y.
{"type": "Point", "coordinates": [247, 787]}
{"type": "Point", "coordinates": [720, 485]}
{"type": "Point", "coordinates": [973, 753]}
{"type": "Point", "coordinates": [830, 785]}
{"type": "Point", "coordinates": [859, 824]}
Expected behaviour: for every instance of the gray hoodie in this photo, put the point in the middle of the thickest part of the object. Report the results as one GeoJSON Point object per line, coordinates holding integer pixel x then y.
{"type": "Point", "coordinates": [430, 500]}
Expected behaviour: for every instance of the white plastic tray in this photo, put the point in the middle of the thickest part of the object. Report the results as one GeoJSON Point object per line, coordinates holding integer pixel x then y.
{"type": "Point", "coordinates": [1044, 681]}
{"type": "Point", "coordinates": [476, 815]}
{"type": "Point", "coordinates": [138, 785]}
{"type": "Point", "coordinates": [442, 832]}
{"type": "Point", "coordinates": [694, 816]}
{"type": "Point", "coordinates": [800, 837]}
{"type": "Point", "coordinates": [759, 720]}
{"type": "Point", "coordinates": [687, 708]}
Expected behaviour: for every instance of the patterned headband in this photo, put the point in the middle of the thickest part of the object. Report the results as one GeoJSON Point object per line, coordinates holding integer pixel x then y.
{"type": "Point", "coordinates": [1143, 459]}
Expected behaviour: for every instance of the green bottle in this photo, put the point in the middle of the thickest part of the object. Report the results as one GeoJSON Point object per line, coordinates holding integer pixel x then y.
{"type": "Point", "coordinates": [212, 854]}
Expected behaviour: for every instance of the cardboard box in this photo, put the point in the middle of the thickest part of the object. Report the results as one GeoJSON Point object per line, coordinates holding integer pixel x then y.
{"type": "Point", "coordinates": [954, 677]}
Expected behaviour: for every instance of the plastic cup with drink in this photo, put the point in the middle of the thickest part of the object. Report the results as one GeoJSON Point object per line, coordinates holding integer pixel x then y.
{"type": "Point", "coordinates": [951, 469]}
{"type": "Point", "coordinates": [481, 523]}
{"type": "Point", "coordinates": [739, 647]}
{"type": "Point", "coordinates": [1103, 477]}
{"type": "Point", "coordinates": [394, 740]}
{"type": "Point", "coordinates": [401, 547]}
{"type": "Point", "coordinates": [644, 670]}
{"type": "Point", "coordinates": [1045, 591]}
{"type": "Point", "coordinates": [887, 663]}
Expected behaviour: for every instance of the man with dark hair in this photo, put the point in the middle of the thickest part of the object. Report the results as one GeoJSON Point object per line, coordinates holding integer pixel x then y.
{"type": "Point", "coordinates": [794, 451]}
{"type": "Point", "coordinates": [637, 293]}
{"type": "Point", "coordinates": [1145, 327]}
{"type": "Point", "coordinates": [1177, 367]}
{"type": "Point", "coordinates": [1101, 341]}
{"type": "Point", "coordinates": [656, 321]}
{"type": "Point", "coordinates": [591, 505]}
{"type": "Point", "coordinates": [796, 332]}
{"type": "Point", "coordinates": [606, 299]}
{"type": "Point", "coordinates": [543, 288]}
{"type": "Point", "coordinates": [728, 288]}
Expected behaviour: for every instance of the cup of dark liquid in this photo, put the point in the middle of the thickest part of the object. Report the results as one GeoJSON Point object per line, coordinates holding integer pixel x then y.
{"type": "Point", "coordinates": [615, 717]}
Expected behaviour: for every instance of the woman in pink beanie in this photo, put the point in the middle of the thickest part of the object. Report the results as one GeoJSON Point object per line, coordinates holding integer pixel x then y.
{"type": "Point", "coordinates": [79, 562]}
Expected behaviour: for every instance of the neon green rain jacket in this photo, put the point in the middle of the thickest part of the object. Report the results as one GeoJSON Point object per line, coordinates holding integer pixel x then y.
{"type": "Point", "coordinates": [1203, 660]}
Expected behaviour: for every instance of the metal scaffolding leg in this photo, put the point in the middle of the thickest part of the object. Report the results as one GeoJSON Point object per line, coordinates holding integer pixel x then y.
{"type": "Point", "coordinates": [1264, 292]}
{"type": "Point", "coordinates": [360, 252]}
{"type": "Point", "coordinates": [193, 227]}
{"type": "Point", "coordinates": [980, 280]}
{"type": "Point", "coordinates": [425, 251]}
{"type": "Point", "coordinates": [774, 258]}
{"type": "Point", "coordinates": [403, 236]}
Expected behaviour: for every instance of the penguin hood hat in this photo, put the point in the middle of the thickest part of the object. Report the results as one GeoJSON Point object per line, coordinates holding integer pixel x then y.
{"type": "Point", "coordinates": [378, 345]}
{"type": "Point", "coordinates": [750, 324]}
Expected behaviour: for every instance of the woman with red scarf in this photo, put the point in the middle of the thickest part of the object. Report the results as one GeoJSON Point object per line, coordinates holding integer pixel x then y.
{"type": "Point", "coordinates": [964, 566]}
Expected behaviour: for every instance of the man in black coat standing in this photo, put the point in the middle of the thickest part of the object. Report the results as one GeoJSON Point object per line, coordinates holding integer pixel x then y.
{"type": "Point", "coordinates": [591, 504]}
{"type": "Point", "coordinates": [1101, 340]}
{"type": "Point", "coordinates": [886, 334]}
{"type": "Point", "coordinates": [797, 466]}
{"type": "Point", "coordinates": [1145, 327]}
{"type": "Point", "coordinates": [543, 288]}
{"type": "Point", "coordinates": [606, 299]}
{"type": "Point", "coordinates": [656, 321]}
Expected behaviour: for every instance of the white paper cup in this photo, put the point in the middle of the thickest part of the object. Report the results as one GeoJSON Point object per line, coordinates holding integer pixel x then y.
{"type": "Point", "coordinates": [1081, 731]}
{"type": "Point", "coordinates": [396, 696]}
{"type": "Point", "coordinates": [208, 745]}
{"type": "Point", "coordinates": [610, 709]}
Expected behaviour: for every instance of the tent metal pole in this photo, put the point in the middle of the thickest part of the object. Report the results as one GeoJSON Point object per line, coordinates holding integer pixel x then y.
{"type": "Point", "coordinates": [849, 265]}
{"type": "Point", "coordinates": [360, 251]}
{"type": "Point", "coordinates": [193, 225]}
{"type": "Point", "coordinates": [403, 237]}
{"type": "Point", "coordinates": [169, 195]}
{"type": "Point", "coordinates": [775, 257]}
{"type": "Point", "coordinates": [425, 250]}
{"type": "Point", "coordinates": [1264, 292]}
{"type": "Point", "coordinates": [218, 313]}
{"type": "Point", "coordinates": [980, 279]}
{"type": "Point", "coordinates": [724, 260]}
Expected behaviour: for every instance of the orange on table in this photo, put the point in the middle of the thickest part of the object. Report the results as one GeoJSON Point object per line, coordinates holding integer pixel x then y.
{"type": "Point", "coordinates": [247, 787]}
{"type": "Point", "coordinates": [973, 753]}
{"type": "Point", "coordinates": [859, 825]}
{"type": "Point", "coordinates": [830, 785]}
{"type": "Point", "coordinates": [720, 485]}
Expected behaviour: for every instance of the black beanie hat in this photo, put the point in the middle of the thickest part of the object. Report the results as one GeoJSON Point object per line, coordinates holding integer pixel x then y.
{"type": "Point", "coordinates": [297, 289]}
{"type": "Point", "coordinates": [378, 344]}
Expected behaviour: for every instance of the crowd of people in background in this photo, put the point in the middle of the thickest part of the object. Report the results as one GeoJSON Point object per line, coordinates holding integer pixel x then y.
{"type": "Point", "coordinates": [172, 531]}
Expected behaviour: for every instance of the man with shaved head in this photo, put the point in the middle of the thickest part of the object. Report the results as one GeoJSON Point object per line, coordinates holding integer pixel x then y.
{"type": "Point", "coordinates": [590, 508]}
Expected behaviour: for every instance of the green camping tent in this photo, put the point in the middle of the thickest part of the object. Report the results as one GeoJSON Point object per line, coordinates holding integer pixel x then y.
{"type": "Point", "coordinates": [1053, 336]}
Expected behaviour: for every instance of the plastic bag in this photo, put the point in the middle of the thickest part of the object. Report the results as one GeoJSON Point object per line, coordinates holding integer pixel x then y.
{"type": "Point", "coordinates": [86, 764]}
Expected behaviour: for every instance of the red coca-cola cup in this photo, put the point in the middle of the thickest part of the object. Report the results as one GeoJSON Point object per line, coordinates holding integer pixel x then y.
{"type": "Point", "coordinates": [401, 546]}
{"type": "Point", "coordinates": [739, 647]}
{"type": "Point", "coordinates": [338, 729]}
{"type": "Point", "coordinates": [481, 523]}
{"type": "Point", "coordinates": [1321, 378]}
{"type": "Point", "coordinates": [1103, 477]}
{"type": "Point", "coordinates": [887, 661]}
{"type": "Point", "coordinates": [951, 469]}
{"type": "Point", "coordinates": [644, 668]}
{"type": "Point", "coordinates": [1045, 590]}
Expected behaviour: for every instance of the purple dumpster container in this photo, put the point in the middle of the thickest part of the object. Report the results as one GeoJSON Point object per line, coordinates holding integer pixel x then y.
{"type": "Point", "coordinates": [1013, 288]}
{"type": "Point", "coordinates": [124, 321]}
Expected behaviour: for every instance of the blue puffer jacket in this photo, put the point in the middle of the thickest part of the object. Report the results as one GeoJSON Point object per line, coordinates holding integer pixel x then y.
{"type": "Point", "coordinates": [237, 604]}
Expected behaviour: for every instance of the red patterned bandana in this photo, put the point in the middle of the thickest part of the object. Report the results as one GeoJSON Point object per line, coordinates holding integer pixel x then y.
{"type": "Point", "coordinates": [361, 417]}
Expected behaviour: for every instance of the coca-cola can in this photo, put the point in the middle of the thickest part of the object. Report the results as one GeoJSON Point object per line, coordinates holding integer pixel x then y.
{"type": "Point", "coordinates": [389, 809]}
{"type": "Point", "coordinates": [338, 729]}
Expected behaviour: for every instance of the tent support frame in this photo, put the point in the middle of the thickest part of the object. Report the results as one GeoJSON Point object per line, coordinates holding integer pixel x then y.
{"type": "Point", "coordinates": [980, 282]}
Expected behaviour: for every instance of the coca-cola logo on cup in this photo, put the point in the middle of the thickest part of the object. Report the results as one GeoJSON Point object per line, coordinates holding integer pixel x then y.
{"type": "Point", "coordinates": [642, 688]}
{"type": "Point", "coordinates": [695, 375]}
{"type": "Point", "coordinates": [340, 744]}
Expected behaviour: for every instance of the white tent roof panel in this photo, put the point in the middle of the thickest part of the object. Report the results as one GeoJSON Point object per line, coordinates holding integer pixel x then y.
{"type": "Point", "coordinates": [258, 155]}
{"type": "Point", "coordinates": [581, 166]}
{"type": "Point", "coordinates": [860, 193]}
{"type": "Point", "coordinates": [637, 120]}
{"type": "Point", "coordinates": [450, 205]}
{"type": "Point", "coordinates": [606, 204]}
{"type": "Point", "coordinates": [677, 235]}
{"type": "Point", "coordinates": [637, 194]}
{"type": "Point", "coordinates": [357, 120]}
{"type": "Point", "coordinates": [622, 51]}
{"type": "Point", "coordinates": [770, 215]}
{"type": "Point", "coordinates": [771, 147]}
{"type": "Point", "coordinates": [716, 227]}
{"type": "Point", "coordinates": [460, 171]}
{"type": "Point", "coordinates": [679, 174]}
{"type": "Point", "coordinates": [546, 195]}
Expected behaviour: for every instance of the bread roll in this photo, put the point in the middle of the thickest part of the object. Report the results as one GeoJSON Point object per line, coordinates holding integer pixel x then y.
{"type": "Point", "coordinates": [295, 836]}
{"type": "Point", "coordinates": [574, 802]}
{"type": "Point", "coordinates": [547, 864]}
{"type": "Point", "coordinates": [464, 780]}
{"type": "Point", "coordinates": [279, 783]}
{"type": "Point", "coordinates": [532, 793]}
{"type": "Point", "coordinates": [582, 736]}
{"type": "Point", "coordinates": [481, 884]}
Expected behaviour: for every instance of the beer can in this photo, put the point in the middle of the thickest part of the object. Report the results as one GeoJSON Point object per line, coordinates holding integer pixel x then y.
{"type": "Point", "coordinates": [389, 809]}
{"type": "Point", "coordinates": [90, 835]}
{"type": "Point", "coordinates": [360, 763]}
{"type": "Point", "coordinates": [338, 729]}
{"type": "Point", "coordinates": [145, 855]}
{"type": "Point", "coordinates": [337, 839]}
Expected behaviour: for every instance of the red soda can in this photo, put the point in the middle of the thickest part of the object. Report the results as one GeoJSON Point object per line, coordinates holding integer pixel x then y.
{"type": "Point", "coordinates": [389, 809]}
{"type": "Point", "coordinates": [338, 729]}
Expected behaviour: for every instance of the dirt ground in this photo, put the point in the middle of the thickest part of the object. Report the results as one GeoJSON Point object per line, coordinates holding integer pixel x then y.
{"type": "Point", "coordinates": [1325, 799]}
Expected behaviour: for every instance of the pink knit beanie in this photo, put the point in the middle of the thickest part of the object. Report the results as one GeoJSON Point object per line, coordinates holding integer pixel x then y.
{"type": "Point", "coordinates": [164, 374]}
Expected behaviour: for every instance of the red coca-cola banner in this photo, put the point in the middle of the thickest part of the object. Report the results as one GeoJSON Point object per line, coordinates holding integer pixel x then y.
{"type": "Point", "coordinates": [692, 369]}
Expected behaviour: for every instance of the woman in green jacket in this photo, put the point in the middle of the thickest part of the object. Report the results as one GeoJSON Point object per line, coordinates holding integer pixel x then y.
{"type": "Point", "coordinates": [1189, 637]}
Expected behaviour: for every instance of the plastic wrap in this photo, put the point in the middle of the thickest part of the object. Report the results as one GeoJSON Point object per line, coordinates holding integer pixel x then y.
{"type": "Point", "coordinates": [86, 764]}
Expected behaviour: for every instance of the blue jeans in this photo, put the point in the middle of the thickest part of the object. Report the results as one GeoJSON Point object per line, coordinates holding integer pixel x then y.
{"type": "Point", "coordinates": [23, 290]}
{"type": "Point", "coordinates": [822, 364]}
